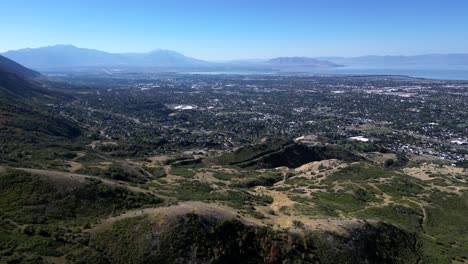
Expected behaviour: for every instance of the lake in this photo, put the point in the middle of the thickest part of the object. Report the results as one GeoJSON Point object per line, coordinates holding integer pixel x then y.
{"type": "Point", "coordinates": [441, 72]}
{"type": "Point", "coordinates": [422, 71]}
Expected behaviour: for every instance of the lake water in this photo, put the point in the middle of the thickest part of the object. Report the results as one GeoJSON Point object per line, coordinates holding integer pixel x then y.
{"type": "Point", "coordinates": [421, 71]}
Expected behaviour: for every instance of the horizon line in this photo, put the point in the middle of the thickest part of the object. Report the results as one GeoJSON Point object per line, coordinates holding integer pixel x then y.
{"type": "Point", "coordinates": [240, 59]}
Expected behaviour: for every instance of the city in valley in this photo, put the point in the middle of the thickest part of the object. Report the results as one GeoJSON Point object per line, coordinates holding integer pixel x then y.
{"type": "Point", "coordinates": [96, 163]}
{"type": "Point", "coordinates": [167, 112]}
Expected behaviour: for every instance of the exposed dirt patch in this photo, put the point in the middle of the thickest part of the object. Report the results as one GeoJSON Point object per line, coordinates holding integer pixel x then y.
{"type": "Point", "coordinates": [430, 171]}
{"type": "Point", "coordinates": [449, 189]}
{"type": "Point", "coordinates": [170, 178]}
{"type": "Point", "coordinates": [319, 169]}
{"type": "Point", "coordinates": [74, 166]}
{"type": "Point", "coordinates": [379, 158]}
{"type": "Point", "coordinates": [105, 165]}
{"type": "Point", "coordinates": [280, 199]}
{"type": "Point", "coordinates": [159, 159]}
{"type": "Point", "coordinates": [207, 177]}
{"type": "Point", "coordinates": [96, 143]}
{"type": "Point", "coordinates": [209, 209]}
{"type": "Point", "coordinates": [280, 220]}
{"type": "Point", "coordinates": [225, 170]}
{"type": "Point", "coordinates": [56, 260]}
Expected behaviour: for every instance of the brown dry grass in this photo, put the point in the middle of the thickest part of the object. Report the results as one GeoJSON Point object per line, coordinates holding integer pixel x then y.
{"type": "Point", "coordinates": [425, 170]}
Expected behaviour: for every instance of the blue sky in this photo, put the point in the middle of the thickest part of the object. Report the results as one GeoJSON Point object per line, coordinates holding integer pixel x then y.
{"type": "Point", "coordinates": [239, 29]}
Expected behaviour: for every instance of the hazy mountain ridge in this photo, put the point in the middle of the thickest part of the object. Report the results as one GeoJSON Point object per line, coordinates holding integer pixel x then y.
{"type": "Point", "coordinates": [162, 57]}
{"type": "Point", "coordinates": [70, 56]}
{"type": "Point", "coordinates": [432, 59]}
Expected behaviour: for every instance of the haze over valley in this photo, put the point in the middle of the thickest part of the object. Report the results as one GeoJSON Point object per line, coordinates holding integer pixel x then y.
{"type": "Point", "coordinates": [69, 57]}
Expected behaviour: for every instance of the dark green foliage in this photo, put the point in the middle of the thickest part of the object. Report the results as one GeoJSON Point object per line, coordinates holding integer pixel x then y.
{"type": "Point", "coordinates": [295, 155]}
{"type": "Point", "coordinates": [23, 118]}
{"type": "Point", "coordinates": [250, 152]}
{"type": "Point", "coordinates": [402, 186]}
{"type": "Point", "coordinates": [37, 216]}
{"type": "Point", "coordinates": [389, 163]}
{"type": "Point", "coordinates": [230, 241]}
{"type": "Point", "coordinates": [116, 172]}
{"type": "Point", "coordinates": [185, 172]}
{"type": "Point", "coordinates": [261, 180]}
{"type": "Point", "coordinates": [406, 217]}
{"type": "Point", "coordinates": [380, 243]}
{"type": "Point", "coordinates": [446, 221]}
{"type": "Point", "coordinates": [462, 164]}
{"type": "Point", "coordinates": [354, 145]}
{"type": "Point", "coordinates": [128, 242]}
{"type": "Point", "coordinates": [157, 172]}
{"type": "Point", "coordinates": [30, 199]}
{"type": "Point", "coordinates": [359, 173]}
{"type": "Point", "coordinates": [328, 202]}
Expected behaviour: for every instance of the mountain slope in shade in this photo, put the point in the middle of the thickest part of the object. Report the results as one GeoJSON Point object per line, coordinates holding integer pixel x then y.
{"type": "Point", "coordinates": [9, 66]}
{"type": "Point", "coordinates": [15, 81]}
{"type": "Point", "coordinates": [23, 114]}
{"type": "Point", "coordinates": [70, 56]}
{"type": "Point", "coordinates": [18, 82]}
{"type": "Point", "coordinates": [301, 61]}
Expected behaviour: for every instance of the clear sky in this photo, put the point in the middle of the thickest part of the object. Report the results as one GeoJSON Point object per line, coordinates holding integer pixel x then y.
{"type": "Point", "coordinates": [240, 29]}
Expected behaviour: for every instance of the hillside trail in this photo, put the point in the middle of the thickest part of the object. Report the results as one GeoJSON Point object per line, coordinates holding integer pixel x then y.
{"type": "Point", "coordinates": [208, 209]}
{"type": "Point", "coordinates": [57, 175]}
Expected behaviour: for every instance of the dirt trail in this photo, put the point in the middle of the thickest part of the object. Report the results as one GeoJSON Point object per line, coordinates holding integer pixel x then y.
{"type": "Point", "coordinates": [387, 198]}
{"type": "Point", "coordinates": [209, 209]}
{"type": "Point", "coordinates": [424, 220]}
{"type": "Point", "coordinates": [225, 212]}
{"type": "Point", "coordinates": [280, 220]}
{"type": "Point", "coordinates": [2, 169]}
{"type": "Point", "coordinates": [430, 171]}
{"type": "Point", "coordinates": [280, 199]}
{"type": "Point", "coordinates": [57, 175]}
{"type": "Point", "coordinates": [207, 177]}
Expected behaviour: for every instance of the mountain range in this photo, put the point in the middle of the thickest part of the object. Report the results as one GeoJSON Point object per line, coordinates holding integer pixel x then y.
{"type": "Point", "coordinates": [66, 56]}
{"type": "Point", "coordinates": [425, 59]}
{"type": "Point", "coordinates": [69, 56]}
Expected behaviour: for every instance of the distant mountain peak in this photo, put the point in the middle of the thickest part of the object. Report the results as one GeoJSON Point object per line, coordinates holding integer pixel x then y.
{"type": "Point", "coordinates": [63, 46]}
